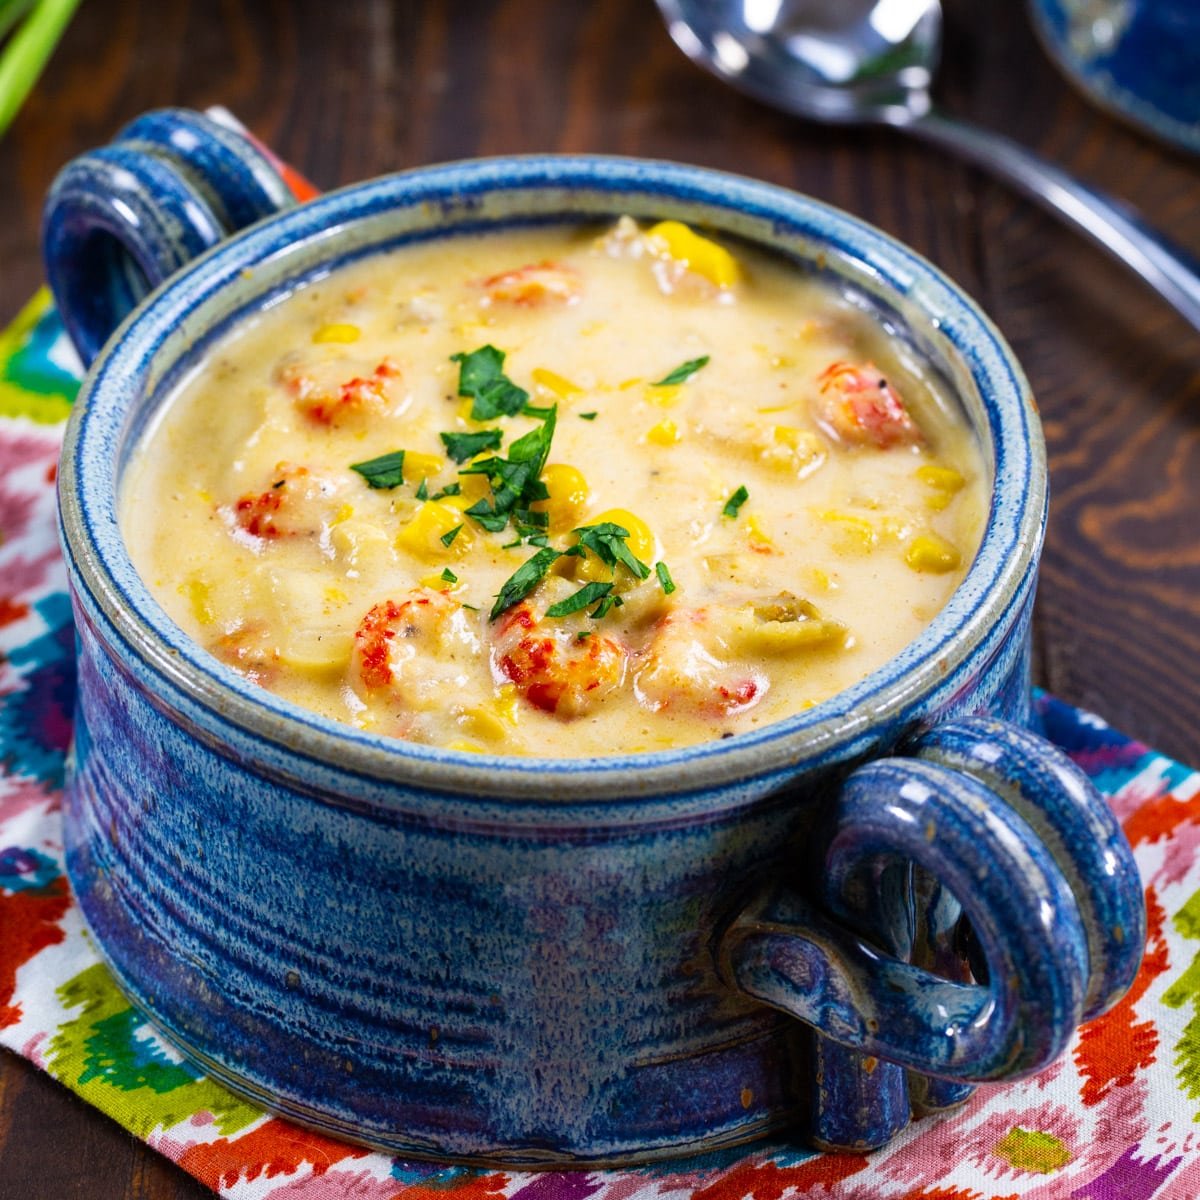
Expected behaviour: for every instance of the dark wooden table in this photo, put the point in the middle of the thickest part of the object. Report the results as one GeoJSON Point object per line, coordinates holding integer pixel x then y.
{"type": "Point", "coordinates": [350, 90]}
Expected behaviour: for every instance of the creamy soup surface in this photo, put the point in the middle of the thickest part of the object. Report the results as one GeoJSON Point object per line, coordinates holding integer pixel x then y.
{"type": "Point", "coordinates": [557, 492]}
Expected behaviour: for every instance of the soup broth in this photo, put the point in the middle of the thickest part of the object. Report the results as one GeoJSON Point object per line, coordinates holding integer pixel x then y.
{"type": "Point", "coordinates": [558, 493]}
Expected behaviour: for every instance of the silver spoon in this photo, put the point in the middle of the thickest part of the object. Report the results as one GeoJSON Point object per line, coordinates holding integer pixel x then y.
{"type": "Point", "coordinates": [871, 62]}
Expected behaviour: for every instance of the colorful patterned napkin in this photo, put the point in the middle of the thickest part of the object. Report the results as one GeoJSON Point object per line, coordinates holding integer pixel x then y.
{"type": "Point", "coordinates": [1115, 1118]}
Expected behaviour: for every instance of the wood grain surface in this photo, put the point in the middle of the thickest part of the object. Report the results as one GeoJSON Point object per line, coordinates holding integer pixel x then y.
{"type": "Point", "coordinates": [350, 90]}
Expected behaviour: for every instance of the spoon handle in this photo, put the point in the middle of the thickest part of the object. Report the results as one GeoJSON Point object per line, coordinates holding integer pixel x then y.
{"type": "Point", "coordinates": [1169, 270]}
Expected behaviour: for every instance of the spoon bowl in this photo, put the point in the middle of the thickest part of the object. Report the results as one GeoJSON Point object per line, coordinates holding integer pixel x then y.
{"type": "Point", "coordinates": [872, 62]}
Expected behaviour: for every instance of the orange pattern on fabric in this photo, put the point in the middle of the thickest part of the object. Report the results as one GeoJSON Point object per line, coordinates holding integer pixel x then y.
{"type": "Point", "coordinates": [1112, 1048]}
{"type": "Point", "coordinates": [768, 1181]}
{"type": "Point", "coordinates": [28, 924]}
{"type": "Point", "coordinates": [275, 1148]}
{"type": "Point", "coordinates": [1159, 818]}
{"type": "Point", "coordinates": [460, 1187]}
{"type": "Point", "coordinates": [10, 612]}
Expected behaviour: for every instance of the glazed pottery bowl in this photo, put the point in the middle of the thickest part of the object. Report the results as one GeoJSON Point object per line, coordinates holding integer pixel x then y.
{"type": "Point", "coordinates": [826, 923]}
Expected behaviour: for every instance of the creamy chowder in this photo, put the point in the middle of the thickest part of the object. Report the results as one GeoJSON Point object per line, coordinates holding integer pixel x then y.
{"type": "Point", "coordinates": [558, 493]}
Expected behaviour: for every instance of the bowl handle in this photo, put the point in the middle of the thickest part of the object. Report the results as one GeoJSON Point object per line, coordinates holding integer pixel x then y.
{"type": "Point", "coordinates": [120, 220]}
{"type": "Point", "coordinates": [982, 820]}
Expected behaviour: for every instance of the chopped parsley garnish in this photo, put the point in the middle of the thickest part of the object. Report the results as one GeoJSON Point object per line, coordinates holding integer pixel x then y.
{"type": "Point", "coordinates": [481, 377]}
{"type": "Point", "coordinates": [386, 471]}
{"type": "Point", "coordinates": [664, 577]}
{"type": "Point", "coordinates": [736, 501]}
{"type": "Point", "coordinates": [448, 575]}
{"type": "Point", "coordinates": [451, 489]}
{"type": "Point", "coordinates": [682, 372]}
{"type": "Point", "coordinates": [461, 446]}
{"type": "Point", "coordinates": [612, 600]}
{"type": "Point", "coordinates": [472, 607]}
{"type": "Point", "coordinates": [447, 538]}
{"type": "Point", "coordinates": [583, 635]}
{"type": "Point", "coordinates": [514, 480]}
{"type": "Point", "coordinates": [422, 492]}
{"type": "Point", "coordinates": [279, 483]}
{"type": "Point", "coordinates": [588, 594]}
{"type": "Point", "coordinates": [588, 416]}
{"type": "Point", "coordinates": [607, 542]}
{"type": "Point", "coordinates": [523, 580]}
{"type": "Point", "coordinates": [535, 410]}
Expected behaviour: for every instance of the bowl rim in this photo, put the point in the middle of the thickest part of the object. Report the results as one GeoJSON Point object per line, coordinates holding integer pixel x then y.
{"type": "Point", "coordinates": [847, 725]}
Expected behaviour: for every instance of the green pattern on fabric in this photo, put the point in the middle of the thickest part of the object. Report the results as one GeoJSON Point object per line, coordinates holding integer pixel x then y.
{"type": "Point", "coordinates": [1033, 1150]}
{"type": "Point", "coordinates": [31, 384]}
{"type": "Point", "coordinates": [1186, 989]}
{"type": "Point", "coordinates": [110, 1056]}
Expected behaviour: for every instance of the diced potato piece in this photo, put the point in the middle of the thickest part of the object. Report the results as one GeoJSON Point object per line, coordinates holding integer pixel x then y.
{"type": "Point", "coordinates": [344, 334]}
{"type": "Point", "coordinates": [854, 535]}
{"type": "Point", "coordinates": [665, 433]}
{"type": "Point", "coordinates": [432, 522]}
{"type": "Point", "coordinates": [784, 624]}
{"type": "Point", "coordinates": [360, 545]}
{"type": "Point", "coordinates": [929, 553]}
{"type": "Point", "coordinates": [316, 649]}
{"type": "Point", "coordinates": [698, 254]}
{"type": "Point", "coordinates": [569, 493]}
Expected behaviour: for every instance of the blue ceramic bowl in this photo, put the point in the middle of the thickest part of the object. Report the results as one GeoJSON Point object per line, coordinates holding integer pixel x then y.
{"type": "Point", "coordinates": [1139, 59]}
{"type": "Point", "coordinates": [583, 961]}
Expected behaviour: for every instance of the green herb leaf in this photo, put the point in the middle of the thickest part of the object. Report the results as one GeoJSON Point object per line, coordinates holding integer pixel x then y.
{"type": "Point", "coordinates": [664, 577]}
{"type": "Point", "coordinates": [683, 371]}
{"type": "Point", "coordinates": [588, 594]}
{"type": "Point", "coordinates": [612, 600]}
{"type": "Point", "coordinates": [447, 538]}
{"type": "Point", "coordinates": [534, 447]}
{"type": "Point", "coordinates": [583, 635]}
{"type": "Point", "coordinates": [587, 416]}
{"type": "Point", "coordinates": [607, 542]}
{"type": "Point", "coordinates": [536, 410]}
{"type": "Point", "coordinates": [523, 580]}
{"type": "Point", "coordinates": [448, 575]}
{"type": "Point", "coordinates": [422, 492]}
{"type": "Point", "coordinates": [384, 472]}
{"type": "Point", "coordinates": [461, 446]}
{"type": "Point", "coordinates": [736, 501]}
{"type": "Point", "coordinates": [481, 376]}
{"type": "Point", "coordinates": [477, 369]}
{"type": "Point", "coordinates": [451, 489]}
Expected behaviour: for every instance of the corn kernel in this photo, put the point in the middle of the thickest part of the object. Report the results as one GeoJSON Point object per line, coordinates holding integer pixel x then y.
{"type": "Point", "coordinates": [855, 534]}
{"type": "Point", "coordinates": [942, 479]}
{"type": "Point", "coordinates": [640, 542]}
{"type": "Point", "coordinates": [568, 494]}
{"type": "Point", "coordinates": [418, 466]}
{"type": "Point", "coordinates": [553, 382]}
{"type": "Point", "coordinates": [665, 433]}
{"type": "Point", "coordinates": [344, 513]}
{"type": "Point", "coordinates": [664, 397]}
{"type": "Point", "coordinates": [432, 521]}
{"type": "Point", "coordinates": [757, 536]}
{"type": "Point", "coordinates": [439, 583]}
{"type": "Point", "coordinates": [462, 745]}
{"type": "Point", "coordinates": [337, 333]}
{"type": "Point", "coordinates": [698, 254]}
{"type": "Point", "coordinates": [197, 591]}
{"type": "Point", "coordinates": [478, 722]}
{"type": "Point", "coordinates": [506, 703]}
{"type": "Point", "coordinates": [626, 384]}
{"type": "Point", "coordinates": [933, 554]}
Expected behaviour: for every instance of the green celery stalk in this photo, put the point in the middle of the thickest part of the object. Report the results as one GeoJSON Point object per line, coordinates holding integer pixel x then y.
{"type": "Point", "coordinates": [27, 51]}
{"type": "Point", "coordinates": [11, 11]}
